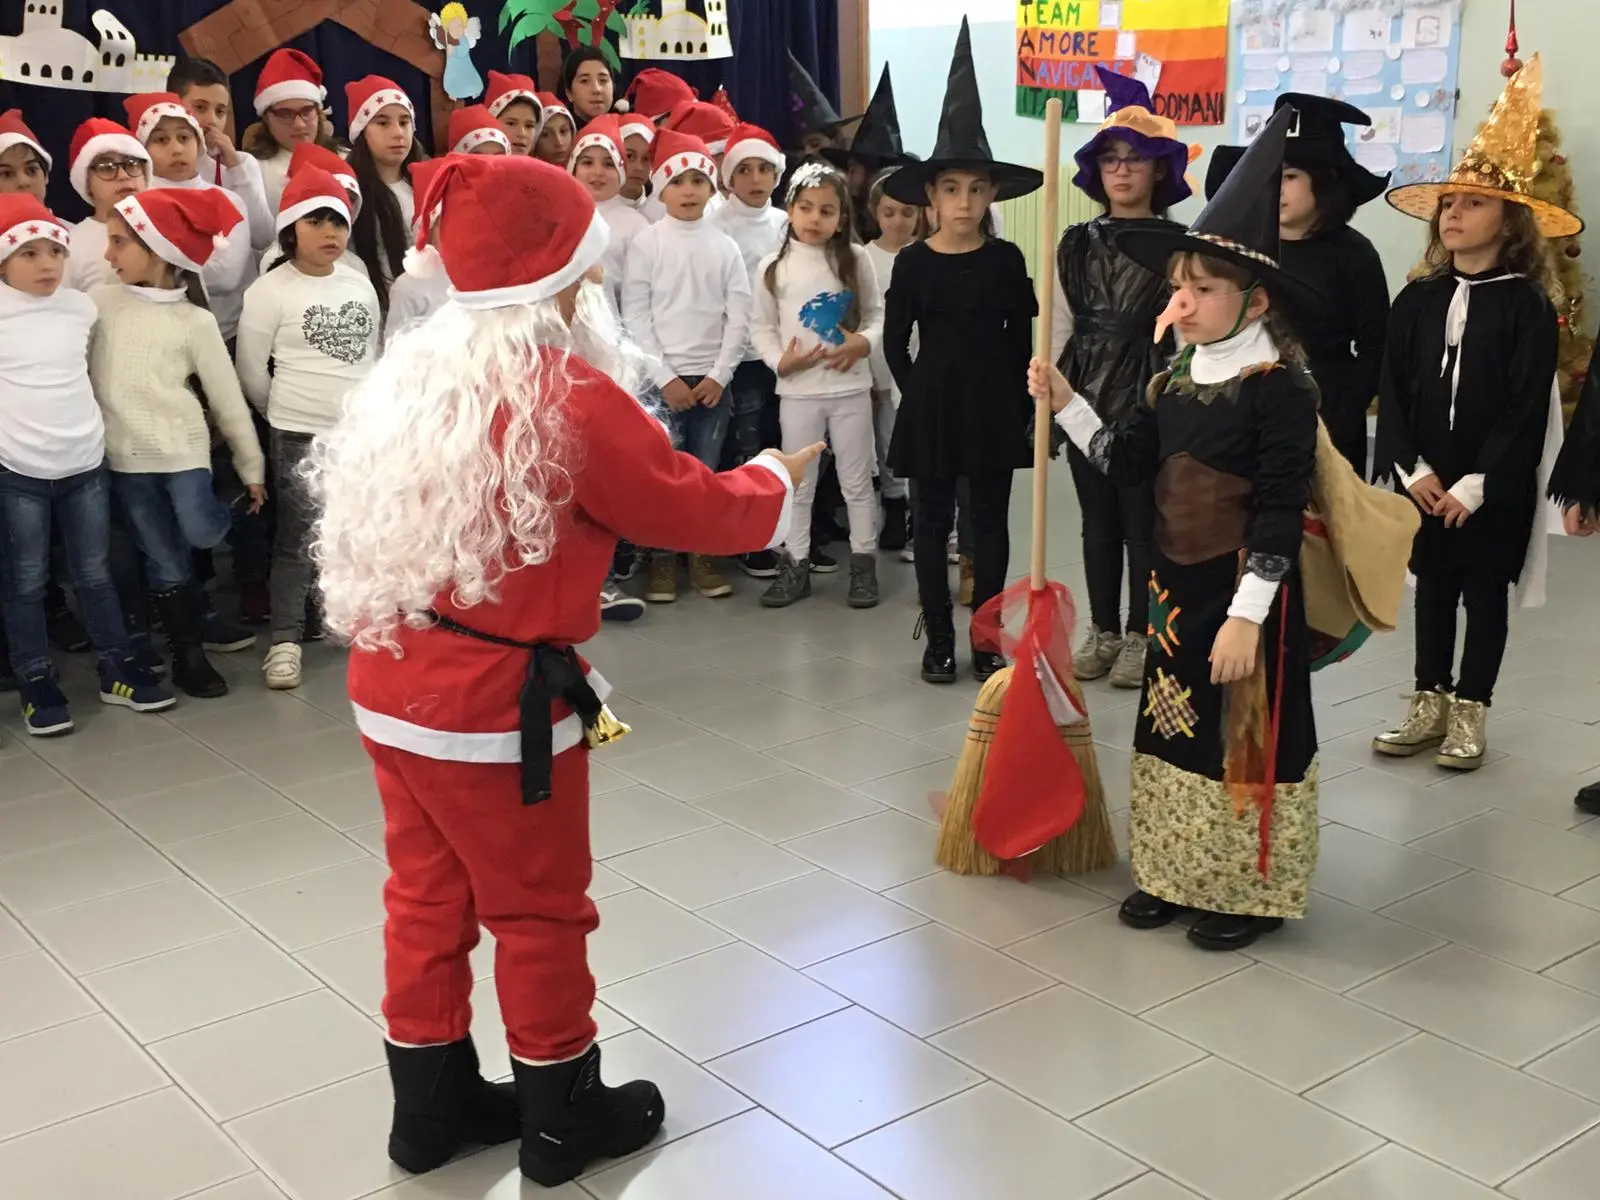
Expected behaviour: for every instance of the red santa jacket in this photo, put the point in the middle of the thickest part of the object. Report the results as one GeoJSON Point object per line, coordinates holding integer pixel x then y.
{"type": "Point", "coordinates": [455, 698]}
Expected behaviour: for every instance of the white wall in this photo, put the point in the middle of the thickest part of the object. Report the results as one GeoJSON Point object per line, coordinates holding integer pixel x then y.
{"type": "Point", "coordinates": [916, 36]}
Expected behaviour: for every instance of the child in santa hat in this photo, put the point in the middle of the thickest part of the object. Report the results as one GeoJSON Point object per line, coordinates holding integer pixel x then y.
{"type": "Point", "coordinates": [655, 92]}
{"type": "Point", "coordinates": [473, 130]}
{"type": "Point", "coordinates": [52, 472]}
{"type": "Point", "coordinates": [107, 164]}
{"type": "Point", "coordinates": [423, 287]}
{"type": "Point", "coordinates": [686, 301]}
{"type": "Point", "coordinates": [513, 100]}
{"type": "Point", "coordinates": [383, 144]}
{"type": "Point", "coordinates": [203, 88]}
{"type": "Point", "coordinates": [638, 135]}
{"type": "Point", "coordinates": [588, 84]}
{"type": "Point", "coordinates": [292, 104]}
{"type": "Point", "coordinates": [309, 155]}
{"type": "Point", "coordinates": [599, 163]}
{"type": "Point", "coordinates": [154, 333]}
{"type": "Point", "coordinates": [316, 322]}
{"type": "Point", "coordinates": [24, 162]}
{"type": "Point", "coordinates": [557, 129]}
{"type": "Point", "coordinates": [711, 125]}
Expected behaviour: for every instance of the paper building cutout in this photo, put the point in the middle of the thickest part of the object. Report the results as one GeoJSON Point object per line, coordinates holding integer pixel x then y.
{"type": "Point", "coordinates": [46, 54]}
{"type": "Point", "coordinates": [677, 34]}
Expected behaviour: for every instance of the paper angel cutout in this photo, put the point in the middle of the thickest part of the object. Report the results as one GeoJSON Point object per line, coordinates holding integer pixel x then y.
{"type": "Point", "coordinates": [456, 34]}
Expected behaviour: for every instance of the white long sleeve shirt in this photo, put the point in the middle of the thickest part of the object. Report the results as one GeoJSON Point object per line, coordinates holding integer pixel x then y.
{"type": "Point", "coordinates": [625, 223]}
{"type": "Point", "coordinates": [231, 269]}
{"type": "Point", "coordinates": [50, 425]}
{"type": "Point", "coordinates": [320, 333]}
{"type": "Point", "coordinates": [759, 232]}
{"type": "Point", "coordinates": [809, 304]}
{"type": "Point", "coordinates": [87, 266]}
{"type": "Point", "coordinates": [882, 378]}
{"type": "Point", "coordinates": [686, 299]}
{"type": "Point", "coordinates": [244, 180]}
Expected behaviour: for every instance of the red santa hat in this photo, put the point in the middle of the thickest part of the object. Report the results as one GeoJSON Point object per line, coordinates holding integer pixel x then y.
{"type": "Point", "coordinates": [182, 226]}
{"type": "Point", "coordinates": [423, 261]}
{"type": "Point", "coordinates": [15, 132]}
{"type": "Point", "coordinates": [308, 191]}
{"type": "Point", "coordinates": [677, 152]}
{"type": "Point", "coordinates": [95, 137]}
{"type": "Point", "coordinates": [368, 96]}
{"type": "Point", "coordinates": [24, 219]}
{"type": "Point", "coordinates": [705, 121]}
{"type": "Point", "coordinates": [289, 75]}
{"type": "Point", "coordinates": [654, 92]}
{"type": "Point", "coordinates": [553, 106]}
{"type": "Point", "coordinates": [512, 230]}
{"type": "Point", "coordinates": [606, 132]}
{"type": "Point", "coordinates": [309, 154]}
{"type": "Point", "coordinates": [506, 90]}
{"type": "Point", "coordinates": [751, 141]}
{"type": "Point", "coordinates": [637, 125]}
{"type": "Point", "coordinates": [149, 110]}
{"type": "Point", "coordinates": [475, 126]}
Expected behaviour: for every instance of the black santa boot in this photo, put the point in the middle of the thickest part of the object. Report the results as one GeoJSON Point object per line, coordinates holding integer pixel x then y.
{"type": "Point", "coordinates": [442, 1103]}
{"type": "Point", "coordinates": [570, 1118]}
{"type": "Point", "coordinates": [180, 610]}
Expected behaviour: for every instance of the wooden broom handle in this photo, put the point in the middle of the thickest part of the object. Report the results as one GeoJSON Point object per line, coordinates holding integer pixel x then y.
{"type": "Point", "coordinates": [1046, 273]}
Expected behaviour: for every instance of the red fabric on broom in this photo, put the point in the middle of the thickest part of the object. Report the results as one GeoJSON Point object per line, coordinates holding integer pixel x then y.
{"type": "Point", "coordinates": [1033, 788]}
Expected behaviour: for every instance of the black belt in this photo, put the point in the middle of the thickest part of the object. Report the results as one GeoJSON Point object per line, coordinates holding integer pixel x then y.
{"type": "Point", "coordinates": [552, 671]}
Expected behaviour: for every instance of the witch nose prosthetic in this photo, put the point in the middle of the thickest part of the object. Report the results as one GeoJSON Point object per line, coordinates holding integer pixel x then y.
{"type": "Point", "coordinates": [1183, 304]}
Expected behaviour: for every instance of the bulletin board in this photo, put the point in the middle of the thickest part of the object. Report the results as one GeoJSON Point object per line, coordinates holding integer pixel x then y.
{"type": "Point", "coordinates": [1399, 65]}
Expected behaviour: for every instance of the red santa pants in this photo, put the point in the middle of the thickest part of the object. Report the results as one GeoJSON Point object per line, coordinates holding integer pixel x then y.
{"type": "Point", "coordinates": [464, 849]}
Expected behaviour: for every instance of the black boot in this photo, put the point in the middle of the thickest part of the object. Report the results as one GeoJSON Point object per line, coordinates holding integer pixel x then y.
{"type": "Point", "coordinates": [441, 1104]}
{"type": "Point", "coordinates": [570, 1118]}
{"type": "Point", "coordinates": [985, 664]}
{"type": "Point", "coordinates": [180, 610]}
{"type": "Point", "coordinates": [1588, 799]}
{"type": "Point", "coordinates": [895, 525]}
{"type": "Point", "coordinates": [1144, 911]}
{"type": "Point", "coordinates": [65, 631]}
{"type": "Point", "coordinates": [939, 659]}
{"type": "Point", "coordinates": [1228, 931]}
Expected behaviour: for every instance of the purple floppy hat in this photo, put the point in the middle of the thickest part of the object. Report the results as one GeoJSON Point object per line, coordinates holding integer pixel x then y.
{"type": "Point", "coordinates": [1129, 119]}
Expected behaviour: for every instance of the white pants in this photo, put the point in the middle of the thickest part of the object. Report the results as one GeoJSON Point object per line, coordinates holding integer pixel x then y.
{"type": "Point", "coordinates": [846, 422]}
{"type": "Point", "coordinates": [889, 486]}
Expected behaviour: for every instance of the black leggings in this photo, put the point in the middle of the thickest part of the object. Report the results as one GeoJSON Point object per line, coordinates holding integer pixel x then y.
{"type": "Point", "coordinates": [1113, 518]}
{"type": "Point", "coordinates": [1487, 601]}
{"type": "Point", "coordinates": [934, 513]}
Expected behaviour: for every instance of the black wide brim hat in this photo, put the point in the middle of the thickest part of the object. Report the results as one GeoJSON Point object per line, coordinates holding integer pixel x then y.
{"type": "Point", "coordinates": [910, 183]}
{"type": "Point", "coordinates": [876, 144]}
{"type": "Point", "coordinates": [1315, 143]}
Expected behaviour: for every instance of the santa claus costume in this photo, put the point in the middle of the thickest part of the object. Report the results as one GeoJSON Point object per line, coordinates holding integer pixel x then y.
{"type": "Point", "coordinates": [473, 494]}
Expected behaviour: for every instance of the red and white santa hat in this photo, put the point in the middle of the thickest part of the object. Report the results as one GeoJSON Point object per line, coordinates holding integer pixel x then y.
{"type": "Point", "coordinates": [705, 121]}
{"type": "Point", "coordinates": [289, 75]}
{"type": "Point", "coordinates": [149, 110]}
{"type": "Point", "coordinates": [637, 125]}
{"type": "Point", "coordinates": [677, 152]}
{"type": "Point", "coordinates": [654, 92]}
{"type": "Point", "coordinates": [751, 141]}
{"type": "Point", "coordinates": [95, 137]}
{"type": "Point", "coordinates": [369, 96]}
{"type": "Point", "coordinates": [24, 219]}
{"type": "Point", "coordinates": [424, 262]}
{"type": "Point", "coordinates": [604, 131]}
{"type": "Point", "coordinates": [182, 226]}
{"type": "Point", "coordinates": [15, 132]}
{"type": "Point", "coordinates": [308, 155]}
{"type": "Point", "coordinates": [475, 126]}
{"type": "Point", "coordinates": [506, 90]}
{"type": "Point", "coordinates": [308, 191]}
{"type": "Point", "coordinates": [512, 229]}
{"type": "Point", "coordinates": [552, 106]}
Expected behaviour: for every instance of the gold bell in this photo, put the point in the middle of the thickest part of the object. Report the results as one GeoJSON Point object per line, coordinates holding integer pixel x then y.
{"type": "Point", "coordinates": [605, 730]}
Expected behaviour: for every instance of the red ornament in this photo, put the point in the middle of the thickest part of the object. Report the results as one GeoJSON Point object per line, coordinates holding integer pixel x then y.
{"type": "Point", "coordinates": [1512, 64]}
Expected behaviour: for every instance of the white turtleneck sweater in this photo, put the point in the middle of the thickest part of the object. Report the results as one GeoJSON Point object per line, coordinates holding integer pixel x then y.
{"type": "Point", "coordinates": [759, 232]}
{"type": "Point", "coordinates": [50, 425]}
{"type": "Point", "coordinates": [625, 223]}
{"type": "Point", "coordinates": [231, 269]}
{"type": "Point", "coordinates": [87, 266]}
{"type": "Point", "coordinates": [809, 303]}
{"type": "Point", "coordinates": [686, 299]}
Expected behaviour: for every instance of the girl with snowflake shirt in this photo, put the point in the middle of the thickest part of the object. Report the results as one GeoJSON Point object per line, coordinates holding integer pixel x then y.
{"type": "Point", "coordinates": [316, 321]}
{"type": "Point", "coordinates": [818, 315]}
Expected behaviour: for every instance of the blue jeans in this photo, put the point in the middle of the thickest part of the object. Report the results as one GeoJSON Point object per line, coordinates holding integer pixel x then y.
{"type": "Point", "coordinates": [753, 418]}
{"type": "Point", "coordinates": [171, 514]}
{"type": "Point", "coordinates": [700, 431]}
{"type": "Point", "coordinates": [81, 505]}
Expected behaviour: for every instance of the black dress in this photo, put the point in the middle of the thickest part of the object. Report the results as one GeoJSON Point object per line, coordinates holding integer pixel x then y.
{"type": "Point", "coordinates": [1576, 478]}
{"type": "Point", "coordinates": [1343, 334]}
{"type": "Point", "coordinates": [964, 404]}
{"type": "Point", "coordinates": [1507, 360]}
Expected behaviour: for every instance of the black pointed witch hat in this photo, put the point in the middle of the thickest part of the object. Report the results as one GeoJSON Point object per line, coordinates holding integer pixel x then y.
{"type": "Point", "coordinates": [1315, 142]}
{"type": "Point", "coordinates": [877, 143]}
{"type": "Point", "coordinates": [813, 111]}
{"type": "Point", "coordinates": [1239, 225]}
{"type": "Point", "coordinates": [962, 145]}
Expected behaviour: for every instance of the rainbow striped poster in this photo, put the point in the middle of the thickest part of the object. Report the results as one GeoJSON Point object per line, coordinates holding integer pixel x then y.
{"type": "Point", "coordinates": [1178, 47]}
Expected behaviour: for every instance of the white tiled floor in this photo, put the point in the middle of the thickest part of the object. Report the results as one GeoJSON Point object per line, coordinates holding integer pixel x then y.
{"type": "Point", "coordinates": [190, 952]}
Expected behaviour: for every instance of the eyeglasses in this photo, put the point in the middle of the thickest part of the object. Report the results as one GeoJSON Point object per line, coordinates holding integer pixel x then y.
{"type": "Point", "coordinates": [133, 168]}
{"type": "Point", "coordinates": [1114, 162]}
{"type": "Point", "coordinates": [304, 115]}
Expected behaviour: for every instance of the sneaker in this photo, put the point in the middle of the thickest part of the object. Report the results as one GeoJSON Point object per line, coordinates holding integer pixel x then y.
{"type": "Point", "coordinates": [1426, 724]}
{"type": "Point", "coordinates": [1096, 654]}
{"type": "Point", "coordinates": [223, 636]}
{"type": "Point", "coordinates": [663, 585]}
{"type": "Point", "coordinates": [964, 581]}
{"type": "Point", "coordinates": [129, 685]}
{"type": "Point", "coordinates": [617, 605]}
{"type": "Point", "coordinates": [1128, 670]}
{"type": "Point", "coordinates": [624, 562]}
{"type": "Point", "coordinates": [44, 708]}
{"type": "Point", "coordinates": [952, 549]}
{"type": "Point", "coordinates": [908, 555]}
{"type": "Point", "coordinates": [763, 564]}
{"type": "Point", "coordinates": [706, 578]}
{"type": "Point", "coordinates": [822, 564]}
{"type": "Point", "coordinates": [863, 581]}
{"type": "Point", "coordinates": [1466, 738]}
{"type": "Point", "coordinates": [255, 602]}
{"type": "Point", "coordinates": [793, 583]}
{"type": "Point", "coordinates": [282, 666]}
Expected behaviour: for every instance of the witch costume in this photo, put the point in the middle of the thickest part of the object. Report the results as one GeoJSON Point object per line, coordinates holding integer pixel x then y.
{"type": "Point", "coordinates": [1224, 795]}
{"type": "Point", "coordinates": [964, 409]}
{"type": "Point", "coordinates": [1576, 481]}
{"type": "Point", "coordinates": [1343, 330]}
{"type": "Point", "coordinates": [1106, 306]}
{"type": "Point", "coordinates": [876, 147]}
{"type": "Point", "coordinates": [1469, 395]}
{"type": "Point", "coordinates": [813, 112]}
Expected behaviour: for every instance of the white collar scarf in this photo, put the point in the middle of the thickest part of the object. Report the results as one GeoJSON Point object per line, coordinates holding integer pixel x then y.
{"type": "Point", "coordinates": [1218, 362]}
{"type": "Point", "coordinates": [1455, 324]}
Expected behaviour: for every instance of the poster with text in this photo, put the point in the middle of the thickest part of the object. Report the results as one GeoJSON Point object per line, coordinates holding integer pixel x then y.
{"type": "Point", "coordinates": [1178, 47]}
{"type": "Point", "coordinates": [1400, 68]}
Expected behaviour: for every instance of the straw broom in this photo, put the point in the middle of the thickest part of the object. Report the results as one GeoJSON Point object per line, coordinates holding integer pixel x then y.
{"type": "Point", "coordinates": [1088, 845]}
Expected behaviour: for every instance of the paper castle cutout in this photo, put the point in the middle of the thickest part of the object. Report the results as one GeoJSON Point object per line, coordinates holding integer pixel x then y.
{"type": "Point", "coordinates": [677, 34]}
{"type": "Point", "coordinates": [46, 54]}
